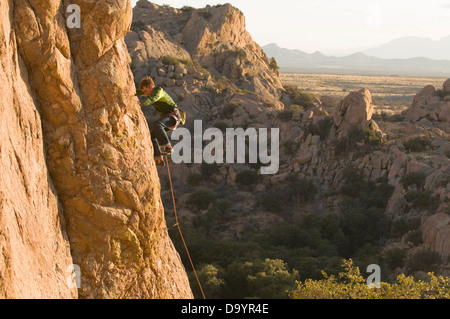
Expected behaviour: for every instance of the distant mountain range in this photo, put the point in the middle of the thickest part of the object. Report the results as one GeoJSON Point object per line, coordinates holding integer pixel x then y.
{"type": "Point", "coordinates": [383, 60]}
{"type": "Point", "coordinates": [413, 47]}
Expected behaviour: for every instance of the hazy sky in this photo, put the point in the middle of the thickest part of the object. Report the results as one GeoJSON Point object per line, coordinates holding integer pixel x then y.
{"type": "Point", "coordinates": [336, 25]}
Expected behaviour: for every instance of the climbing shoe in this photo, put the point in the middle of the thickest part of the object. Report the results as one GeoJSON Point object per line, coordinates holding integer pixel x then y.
{"type": "Point", "coordinates": [159, 161]}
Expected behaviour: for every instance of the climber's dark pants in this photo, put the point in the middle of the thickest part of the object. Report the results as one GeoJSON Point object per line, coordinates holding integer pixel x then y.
{"type": "Point", "coordinates": [158, 131]}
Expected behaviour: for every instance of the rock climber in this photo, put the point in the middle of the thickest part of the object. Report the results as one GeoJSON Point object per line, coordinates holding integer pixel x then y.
{"type": "Point", "coordinates": [169, 116]}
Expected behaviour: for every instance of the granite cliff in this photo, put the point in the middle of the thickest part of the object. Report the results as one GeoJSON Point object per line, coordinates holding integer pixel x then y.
{"type": "Point", "coordinates": [78, 181]}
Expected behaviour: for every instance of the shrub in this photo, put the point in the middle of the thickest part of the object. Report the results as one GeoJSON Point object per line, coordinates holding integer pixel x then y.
{"type": "Point", "coordinates": [285, 115]}
{"type": "Point", "coordinates": [223, 83]}
{"type": "Point", "coordinates": [247, 177]}
{"type": "Point", "coordinates": [321, 128]}
{"type": "Point", "coordinates": [423, 260]}
{"type": "Point", "coordinates": [207, 170]}
{"type": "Point", "coordinates": [170, 60]}
{"type": "Point", "coordinates": [272, 279]}
{"type": "Point", "coordinates": [303, 189]}
{"type": "Point", "coordinates": [212, 283]}
{"type": "Point", "coordinates": [363, 220]}
{"type": "Point", "coordinates": [228, 110]}
{"type": "Point", "coordinates": [295, 107]}
{"type": "Point", "coordinates": [415, 237]}
{"type": "Point", "coordinates": [414, 178]}
{"type": "Point", "coordinates": [362, 193]}
{"type": "Point", "coordinates": [417, 144]}
{"type": "Point", "coordinates": [423, 200]}
{"type": "Point", "coordinates": [357, 136]}
{"type": "Point", "coordinates": [222, 206]}
{"type": "Point", "coordinates": [201, 198]}
{"type": "Point", "coordinates": [353, 183]}
{"type": "Point", "coordinates": [273, 65]}
{"type": "Point", "coordinates": [187, 8]}
{"type": "Point", "coordinates": [403, 225]}
{"type": "Point", "coordinates": [199, 67]}
{"type": "Point", "coordinates": [270, 202]}
{"type": "Point", "coordinates": [290, 146]}
{"type": "Point", "coordinates": [395, 257]}
{"type": "Point", "coordinates": [194, 179]}
{"type": "Point", "coordinates": [350, 284]}
{"type": "Point", "coordinates": [442, 93]}
{"type": "Point", "coordinates": [205, 222]}
{"type": "Point", "coordinates": [298, 97]}
{"type": "Point", "coordinates": [363, 226]}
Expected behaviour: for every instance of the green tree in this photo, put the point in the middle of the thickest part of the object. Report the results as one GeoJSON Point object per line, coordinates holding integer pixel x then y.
{"type": "Point", "coordinates": [272, 279]}
{"type": "Point", "coordinates": [201, 198]}
{"type": "Point", "coordinates": [350, 284]}
{"type": "Point", "coordinates": [210, 280]}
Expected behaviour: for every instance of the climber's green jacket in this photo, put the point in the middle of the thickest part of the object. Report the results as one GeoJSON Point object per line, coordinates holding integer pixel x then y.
{"type": "Point", "coordinates": [162, 101]}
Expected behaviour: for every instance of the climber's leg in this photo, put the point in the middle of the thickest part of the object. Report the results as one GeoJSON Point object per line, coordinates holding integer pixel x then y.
{"type": "Point", "coordinates": [158, 131]}
{"type": "Point", "coordinates": [157, 153]}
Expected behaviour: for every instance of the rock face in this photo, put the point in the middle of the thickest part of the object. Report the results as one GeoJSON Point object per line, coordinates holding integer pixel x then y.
{"type": "Point", "coordinates": [436, 231]}
{"type": "Point", "coordinates": [99, 173]}
{"type": "Point", "coordinates": [34, 248]}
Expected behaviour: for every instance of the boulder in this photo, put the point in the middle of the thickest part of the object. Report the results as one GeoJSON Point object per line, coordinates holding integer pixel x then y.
{"type": "Point", "coordinates": [443, 113]}
{"type": "Point", "coordinates": [436, 234]}
{"type": "Point", "coordinates": [446, 85]}
{"type": "Point", "coordinates": [277, 179]}
{"type": "Point", "coordinates": [427, 104]}
{"type": "Point", "coordinates": [161, 72]}
{"type": "Point", "coordinates": [355, 109]}
{"type": "Point", "coordinates": [180, 70]}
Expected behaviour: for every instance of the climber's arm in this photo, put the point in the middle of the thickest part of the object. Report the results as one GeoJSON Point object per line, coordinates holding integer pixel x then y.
{"type": "Point", "coordinates": [149, 100]}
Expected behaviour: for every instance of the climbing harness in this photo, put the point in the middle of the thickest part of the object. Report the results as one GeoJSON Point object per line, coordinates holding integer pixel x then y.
{"type": "Point", "coordinates": [177, 224]}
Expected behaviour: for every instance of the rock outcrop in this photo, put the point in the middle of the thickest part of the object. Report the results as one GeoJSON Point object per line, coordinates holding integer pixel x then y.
{"type": "Point", "coordinates": [428, 105]}
{"type": "Point", "coordinates": [90, 162]}
{"type": "Point", "coordinates": [355, 110]}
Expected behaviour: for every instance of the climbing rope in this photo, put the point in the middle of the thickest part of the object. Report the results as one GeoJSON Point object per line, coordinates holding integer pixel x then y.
{"type": "Point", "coordinates": [179, 229]}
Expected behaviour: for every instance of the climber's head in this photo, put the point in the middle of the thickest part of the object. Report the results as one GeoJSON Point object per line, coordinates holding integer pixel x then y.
{"type": "Point", "coordinates": [147, 85]}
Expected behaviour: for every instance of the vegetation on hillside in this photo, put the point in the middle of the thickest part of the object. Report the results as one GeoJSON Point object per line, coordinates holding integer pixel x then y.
{"type": "Point", "coordinates": [270, 264]}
